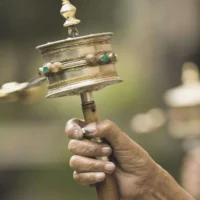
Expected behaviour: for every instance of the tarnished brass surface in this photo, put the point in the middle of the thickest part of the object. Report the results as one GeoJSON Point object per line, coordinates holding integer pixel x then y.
{"type": "Point", "coordinates": [88, 64]}
{"type": "Point", "coordinates": [73, 44]}
{"type": "Point", "coordinates": [75, 79]}
{"type": "Point", "coordinates": [82, 87]}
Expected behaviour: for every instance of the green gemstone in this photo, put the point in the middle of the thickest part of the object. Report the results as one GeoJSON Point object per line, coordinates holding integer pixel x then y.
{"type": "Point", "coordinates": [45, 69]}
{"type": "Point", "coordinates": [105, 59]}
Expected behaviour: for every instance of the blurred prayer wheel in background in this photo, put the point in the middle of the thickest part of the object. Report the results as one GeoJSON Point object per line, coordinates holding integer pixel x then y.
{"type": "Point", "coordinates": [183, 115]}
{"type": "Point", "coordinates": [28, 92]}
{"type": "Point", "coordinates": [184, 104]}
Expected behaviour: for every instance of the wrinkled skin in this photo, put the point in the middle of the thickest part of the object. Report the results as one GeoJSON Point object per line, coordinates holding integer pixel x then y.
{"type": "Point", "coordinates": [134, 169]}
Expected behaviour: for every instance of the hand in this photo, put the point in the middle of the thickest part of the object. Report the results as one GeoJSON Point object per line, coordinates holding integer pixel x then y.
{"type": "Point", "coordinates": [134, 169]}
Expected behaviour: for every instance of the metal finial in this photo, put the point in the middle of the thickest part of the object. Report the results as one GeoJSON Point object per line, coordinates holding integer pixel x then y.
{"type": "Point", "coordinates": [68, 11]}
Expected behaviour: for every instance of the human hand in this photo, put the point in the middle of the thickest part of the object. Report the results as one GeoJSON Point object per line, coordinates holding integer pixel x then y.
{"type": "Point", "coordinates": [134, 169]}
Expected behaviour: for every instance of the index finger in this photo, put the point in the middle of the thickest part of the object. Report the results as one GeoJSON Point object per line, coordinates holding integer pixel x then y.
{"type": "Point", "coordinates": [74, 127]}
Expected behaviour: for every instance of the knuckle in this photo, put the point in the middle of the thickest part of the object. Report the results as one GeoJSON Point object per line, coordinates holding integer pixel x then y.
{"type": "Point", "coordinates": [80, 179]}
{"type": "Point", "coordinates": [92, 148]}
{"type": "Point", "coordinates": [70, 132]}
{"type": "Point", "coordinates": [108, 125]}
{"type": "Point", "coordinates": [69, 129]}
{"type": "Point", "coordinates": [68, 124]}
{"type": "Point", "coordinates": [95, 166]}
{"type": "Point", "coordinates": [90, 166]}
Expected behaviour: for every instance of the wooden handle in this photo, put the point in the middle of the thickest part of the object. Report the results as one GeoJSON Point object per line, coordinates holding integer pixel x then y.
{"type": "Point", "coordinates": [106, 190]}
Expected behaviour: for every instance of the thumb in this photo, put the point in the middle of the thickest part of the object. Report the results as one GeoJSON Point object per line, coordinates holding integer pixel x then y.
{"type": "Point", "coordinates": [112, 133]}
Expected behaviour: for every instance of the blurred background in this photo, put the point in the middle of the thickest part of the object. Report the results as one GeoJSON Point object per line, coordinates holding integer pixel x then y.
{"type": "Point", "coordinates": [153, 40]}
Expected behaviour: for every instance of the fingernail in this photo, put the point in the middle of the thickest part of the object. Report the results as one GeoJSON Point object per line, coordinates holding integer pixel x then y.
{"type": "Point", "coordinates": [91, 128]}
{"type": "Point", "coordinates": [110, 167]}
{"type": "Point", "coordinates": [77, 134]}
{"type": "Point", "coordinates": [100, 176]}
{"type": "Point", "coordinates": [106, 150]}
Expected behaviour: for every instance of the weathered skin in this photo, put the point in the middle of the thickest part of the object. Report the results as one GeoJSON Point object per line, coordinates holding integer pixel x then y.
{"type": "Point", "coordinates": [138, 176]}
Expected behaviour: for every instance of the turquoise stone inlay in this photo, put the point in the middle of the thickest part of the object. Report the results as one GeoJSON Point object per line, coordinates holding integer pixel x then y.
{"type": "Point", "coordinates": [45, 69]}
{"type": "Point", "coordinates": [105, 58]}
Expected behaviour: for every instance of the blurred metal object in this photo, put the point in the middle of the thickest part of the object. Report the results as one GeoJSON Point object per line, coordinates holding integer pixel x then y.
{"type": "Point", "coordinates": [28, 92]}
{"type": "Point", "coordinates": [36, 82]}
{"type": "Point", "coordinates": [188, 94]}
{"type": "Point", "coordinates": [148, 122]}
{"type": "Point", "coordinates": [11, 92]}
{"type": "Point", "coordinates": [184, 104]}
{"type": "Point", "coordinates": [79, 66]}
{"type": "Point", "coordinates": [183, 115]}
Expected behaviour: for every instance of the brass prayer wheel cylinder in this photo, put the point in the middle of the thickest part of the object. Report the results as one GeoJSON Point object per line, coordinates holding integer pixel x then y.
{"type": "Point", "coordinates": [78, 65]}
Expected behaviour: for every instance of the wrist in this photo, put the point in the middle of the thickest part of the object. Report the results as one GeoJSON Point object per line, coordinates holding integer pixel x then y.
{"type": "Point", "coordinates": [150, 188]}
{"type": "Point", "coordinates": [163, 187]}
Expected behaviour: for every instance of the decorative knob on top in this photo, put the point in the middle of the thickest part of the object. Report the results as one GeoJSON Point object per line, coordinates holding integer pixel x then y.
{"type": "Point", "coordinates": [187, 94]}
{"type": "Point", "coordinates": [190, 73]}
{"type": "Point", "coordinates": [68, 11]}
